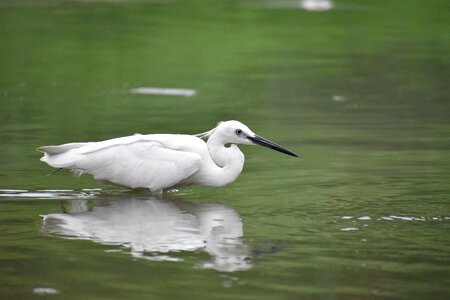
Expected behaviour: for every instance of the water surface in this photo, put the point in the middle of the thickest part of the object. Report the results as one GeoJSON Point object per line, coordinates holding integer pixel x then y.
{"type": "Point", "coordinates": [359, 90]}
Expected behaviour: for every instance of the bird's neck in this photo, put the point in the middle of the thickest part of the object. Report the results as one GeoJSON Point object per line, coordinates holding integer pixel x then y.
{"type": "Point", "coordinates": [229, 160]}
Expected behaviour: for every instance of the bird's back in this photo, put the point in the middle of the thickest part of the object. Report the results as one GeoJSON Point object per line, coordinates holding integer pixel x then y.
{"type": "Point", "coordinates": [154, 161]}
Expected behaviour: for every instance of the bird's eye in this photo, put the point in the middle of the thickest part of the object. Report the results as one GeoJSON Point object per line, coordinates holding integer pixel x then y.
{"type": "Point", "coordinates": [238, 131]}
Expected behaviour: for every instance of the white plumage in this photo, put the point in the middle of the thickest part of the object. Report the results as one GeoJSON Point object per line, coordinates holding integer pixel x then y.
{"type": "Point", "coordinates": [161, 161]}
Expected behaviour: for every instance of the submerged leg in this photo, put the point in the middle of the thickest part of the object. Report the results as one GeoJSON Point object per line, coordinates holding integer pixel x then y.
{"type": "Point", "coordinates": [154, 193]}
{"type": "Point", "coordinates": [59, 169]}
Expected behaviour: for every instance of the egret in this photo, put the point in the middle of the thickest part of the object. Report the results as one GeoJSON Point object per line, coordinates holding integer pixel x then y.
{"type": "Point", "coordinates": [162, 161]}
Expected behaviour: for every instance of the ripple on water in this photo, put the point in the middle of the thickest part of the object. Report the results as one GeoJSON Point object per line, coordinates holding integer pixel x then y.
{"type": "Point", "coordinates": [362, 223]}
{"type": "Point", "coordinates": [163, 91]}
{"type": "Point", "coordinates": [47, 194]}
{"type": "Point", "coordinates": [405, 218]}
{"type": "Point", "coordinates": [12, 191]}
{"type": "Point", "coordinates": [308, 5]}
{"type": "Point", "coordinates": [394, 218]}
{"type": "Point", "coordinates": [349, 229]}
{"type": "Point", "coordinates": [45, 291]}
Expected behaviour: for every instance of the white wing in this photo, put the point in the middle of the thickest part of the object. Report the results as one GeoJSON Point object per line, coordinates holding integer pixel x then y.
{"type": "Point", "coordinates": [155, 161]}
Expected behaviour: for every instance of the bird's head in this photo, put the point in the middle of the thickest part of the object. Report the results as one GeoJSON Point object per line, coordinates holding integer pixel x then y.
{"type": "Point", "coordinates": [235, 132]}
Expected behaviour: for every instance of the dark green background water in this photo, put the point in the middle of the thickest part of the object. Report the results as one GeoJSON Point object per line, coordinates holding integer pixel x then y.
{"type": "Point", "coordinates": [360, 91]}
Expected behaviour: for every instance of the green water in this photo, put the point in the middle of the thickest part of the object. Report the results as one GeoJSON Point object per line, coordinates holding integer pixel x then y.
{"type": "Point", "coordinates": [359, 91]}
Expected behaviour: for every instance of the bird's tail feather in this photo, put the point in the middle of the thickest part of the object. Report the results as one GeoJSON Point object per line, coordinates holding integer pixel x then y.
{"type": "Point", "coordinates": [52, 150]}
{"type": "Point", "coordinates": [60, 156]}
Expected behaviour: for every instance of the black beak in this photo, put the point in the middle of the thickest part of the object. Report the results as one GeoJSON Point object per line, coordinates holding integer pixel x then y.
{"type": "Point", "coordinates": [266, 143]}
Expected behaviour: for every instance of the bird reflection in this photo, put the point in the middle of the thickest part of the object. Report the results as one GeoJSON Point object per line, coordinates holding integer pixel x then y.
{"type": "Point", "coordinates": [154, 228]}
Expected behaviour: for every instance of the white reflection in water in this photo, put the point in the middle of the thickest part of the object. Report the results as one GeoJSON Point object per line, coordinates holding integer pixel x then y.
{"type": "Point", "coordinates": [349, 229]}
{"type": "Point", "coordinates": [45, 291]}
{"type": "Point", "coordinates": [12, 191]}
{"type": "Point", "coordinates": [163, 91]}
{"type": "Point", "coordinates": [46, 194]}
{"type": "Point", "coordinates": [404, 218]}
{"type": "Point", "coordinates": [153, 228]}
{"type": "Point", "coordinates": [316, 5]}
{"type": "Point", "coordinates": [309, 5]}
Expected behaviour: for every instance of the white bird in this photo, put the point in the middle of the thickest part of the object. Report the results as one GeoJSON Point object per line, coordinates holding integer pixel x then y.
{"type": "Point", "coordinates": [161, 161]}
